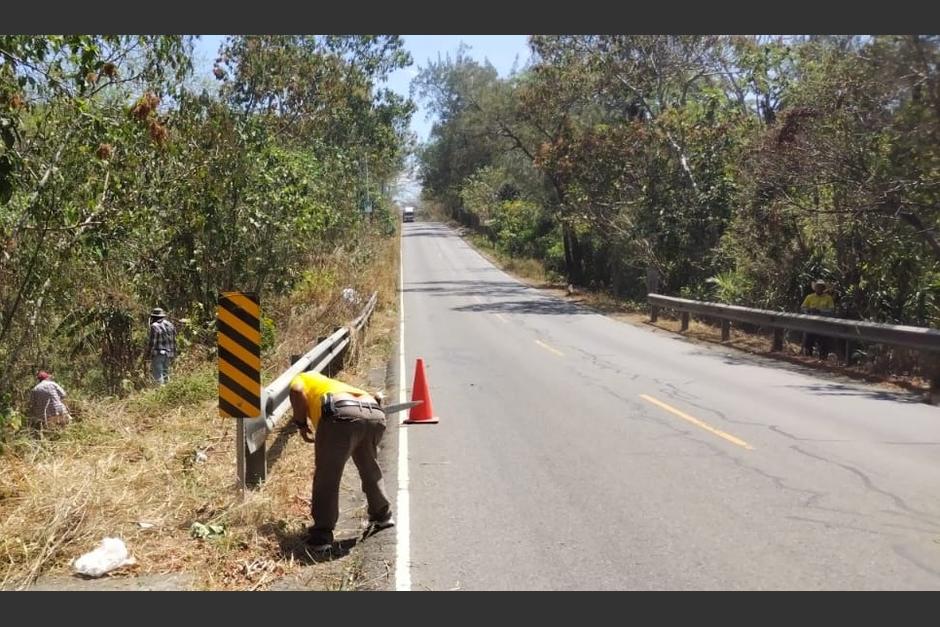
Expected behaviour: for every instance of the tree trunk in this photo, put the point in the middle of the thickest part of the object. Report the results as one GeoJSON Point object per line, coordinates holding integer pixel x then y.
{"type": "Point", "coordinates": [574, 261]}
{"type": "Point", "coordinates": [923, 231]}
{"type": "Point", "coordinates": [569, 260]}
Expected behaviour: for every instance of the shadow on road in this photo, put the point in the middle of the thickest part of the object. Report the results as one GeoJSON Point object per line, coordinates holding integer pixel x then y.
{"type": "Point", "coordinates": [427, 231]}
{"type": "Point", "coordinates": [838, 389]}
{"type": "Point", "coordinates": [834, 373]}
{"type": "Point", "coordinates": [533, 306]}
{"type": "Point", "coordinates": [468, 288]}
{"type": "Point", "coordinates": [527, 302]}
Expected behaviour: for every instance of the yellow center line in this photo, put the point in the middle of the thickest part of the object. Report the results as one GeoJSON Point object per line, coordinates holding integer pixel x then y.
{"type": "Point", "coordinates": [697, 422]}
{"type": "Point", "coordinates": [549, 348]}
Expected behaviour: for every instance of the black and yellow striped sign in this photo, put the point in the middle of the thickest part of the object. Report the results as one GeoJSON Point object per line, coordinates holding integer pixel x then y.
{"type": "Point", "coordinates": [239, 327]}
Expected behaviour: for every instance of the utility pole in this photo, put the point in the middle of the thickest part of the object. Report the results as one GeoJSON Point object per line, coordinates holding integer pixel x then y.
{"type": "Point", "coordinates": [368, 195]}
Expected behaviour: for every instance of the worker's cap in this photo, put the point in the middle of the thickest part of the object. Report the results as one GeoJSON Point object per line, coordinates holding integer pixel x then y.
{"type": "Point", "coordinates": [157, 313]}
{"type": "Point", "coordinates": [819, 282]}
{"type": "Point", "coordinates": [42, 375]}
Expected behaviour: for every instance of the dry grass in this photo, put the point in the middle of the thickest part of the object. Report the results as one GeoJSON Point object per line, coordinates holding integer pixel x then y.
{"type": "Point", "coordinates": [129, 468]}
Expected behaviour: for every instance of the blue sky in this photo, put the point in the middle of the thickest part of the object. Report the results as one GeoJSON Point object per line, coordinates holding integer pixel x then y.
{"type": "Point", "coordinates": [500, 50]}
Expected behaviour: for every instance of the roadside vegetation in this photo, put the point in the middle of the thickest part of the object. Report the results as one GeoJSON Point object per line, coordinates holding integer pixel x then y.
{"type": "Point", "coordinates": [735, 169]}
{"type": "Point", "coordinates": [128, 182]}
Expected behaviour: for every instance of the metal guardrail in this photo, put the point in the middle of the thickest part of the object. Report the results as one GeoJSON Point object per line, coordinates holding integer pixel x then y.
{"type": "Point", "coordinates": [918, 338]}
{"type": "Point", "coordinates": [275, 399]}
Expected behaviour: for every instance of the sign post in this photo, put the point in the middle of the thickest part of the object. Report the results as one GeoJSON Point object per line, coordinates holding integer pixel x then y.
{"type": "Point", "coordinates": [238, 322]}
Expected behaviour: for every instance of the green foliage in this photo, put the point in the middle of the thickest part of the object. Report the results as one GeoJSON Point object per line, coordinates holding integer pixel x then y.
{"type": "Point", "coordinates": [195, 387]}
{"type": "Point", "coordinates": [122, 188]}
{"type": "Point", "coordinates": [268, 334]}
{"type": "Point", "coordinates": [11, 421]}
{"type": "Point", "coordinates": [729, 287]}
{"type": "Point", "coordinates": [516, 226]}
{"type": "Point", "coordinates": [739, 168]}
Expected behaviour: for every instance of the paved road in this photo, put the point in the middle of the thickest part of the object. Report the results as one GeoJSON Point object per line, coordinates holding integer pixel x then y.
{"type": "Point", "coordinates": [578, 452]}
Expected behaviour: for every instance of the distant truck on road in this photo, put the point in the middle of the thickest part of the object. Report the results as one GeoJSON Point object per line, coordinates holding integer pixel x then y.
{"type": "Point", "coordinates": [408, 215]}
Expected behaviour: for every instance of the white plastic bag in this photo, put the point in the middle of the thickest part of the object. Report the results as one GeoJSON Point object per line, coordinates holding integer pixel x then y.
{"type": "Point", "coordinates": [110, 555]}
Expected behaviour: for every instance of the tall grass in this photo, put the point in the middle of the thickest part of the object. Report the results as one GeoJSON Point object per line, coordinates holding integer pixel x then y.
{"type": "Point", "coordinates": [146, 467]}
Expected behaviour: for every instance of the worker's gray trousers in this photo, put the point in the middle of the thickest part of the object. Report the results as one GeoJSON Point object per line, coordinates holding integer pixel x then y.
{"type": "Point", "coordinates": [350, 432]}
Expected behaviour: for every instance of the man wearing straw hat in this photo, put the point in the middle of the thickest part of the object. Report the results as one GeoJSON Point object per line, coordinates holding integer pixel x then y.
{"type": "Point", "coordinates": [818, 303]}
{"type": "Point", "coordinates": [161, 345]}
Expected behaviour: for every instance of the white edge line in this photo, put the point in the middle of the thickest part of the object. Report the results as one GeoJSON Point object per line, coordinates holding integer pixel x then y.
{"type": "Point", "coordinates": [403, 548]}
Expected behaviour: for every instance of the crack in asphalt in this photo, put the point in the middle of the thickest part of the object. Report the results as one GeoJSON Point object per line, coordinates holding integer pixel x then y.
{"type": "Point", "coordinates": [901, 551]}
{"type": "Point", "coordinates": [781, 483]}
{"type": "Point", "coordinates": [604, 364]}
{"type": "Point", "coordinates": [908, 527]}
{"type": "Point", "coordinates": [675, 393]}
{"type": "Point", "coordinates": [831, 525]}
{"type": "Point", "coordinates": [900, 503]}
{"type": "Point", "coordinates": [685, 397]}
{"type": "Point", "coordinates": [813, 498]}
{"type": "Point", "coordinates": [777, 429]}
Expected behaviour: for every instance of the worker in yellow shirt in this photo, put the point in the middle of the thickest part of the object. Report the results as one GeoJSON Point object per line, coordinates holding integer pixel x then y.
{"type": "Point", "coordinates": [348, 422]}
{"type": "Point", "coordinates": [818, 303]}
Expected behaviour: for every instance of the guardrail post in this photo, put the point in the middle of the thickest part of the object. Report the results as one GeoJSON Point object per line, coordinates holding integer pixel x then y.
{"type": "Point", "coordinates": [933, 371]}
{"type": "Point", "coordinates": [778, 341]}
{"type": "Point", "coordinates": [241, 450]}
{"type": "Point", "coordinates": [847, 353]}
{"type": "Point", "coordinates": [685, 321]}
{"type": "Point", "coordinates": [652, 280]}
{"type": "Point", "coordinates": [256, 465]}
{"type": "Point", "coordinates": [725, 330]}
{"type": "Point", "coordinates": [654, 313]}
{"type": "Point", "coordinates": [335, 365]}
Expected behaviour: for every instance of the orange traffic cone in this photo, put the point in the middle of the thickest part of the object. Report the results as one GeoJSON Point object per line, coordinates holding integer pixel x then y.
{"type": "Point", "coordinates": [423, 413]}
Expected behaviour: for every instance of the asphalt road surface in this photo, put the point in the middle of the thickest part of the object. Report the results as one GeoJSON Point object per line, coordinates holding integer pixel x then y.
{"type": "Point", "coordinates": [578, 452]}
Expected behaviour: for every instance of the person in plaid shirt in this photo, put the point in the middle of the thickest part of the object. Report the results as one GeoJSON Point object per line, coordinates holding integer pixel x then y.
{"type": "Point", "coordinates": [161, 346]}
{"type": "Point", "coordinates": [47, 410]}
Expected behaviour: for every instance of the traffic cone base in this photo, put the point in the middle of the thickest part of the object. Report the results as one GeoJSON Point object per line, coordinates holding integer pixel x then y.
{"type": "Point", "coordinates": [423, 413]}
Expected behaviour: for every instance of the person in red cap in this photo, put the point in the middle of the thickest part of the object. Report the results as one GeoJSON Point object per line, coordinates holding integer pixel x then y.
{"type": "Point", "coordinates": [47, 410]}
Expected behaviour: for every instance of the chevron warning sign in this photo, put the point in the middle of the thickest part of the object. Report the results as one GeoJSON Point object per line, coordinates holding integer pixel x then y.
{"type": "Point", "coordinates": [238, 321]}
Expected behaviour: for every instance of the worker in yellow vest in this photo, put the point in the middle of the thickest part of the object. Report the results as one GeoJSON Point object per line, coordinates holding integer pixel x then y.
{"type": "Point", "coordinates": [348, 422]}
{"type": "Point", "coordinates": [818, 303]}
